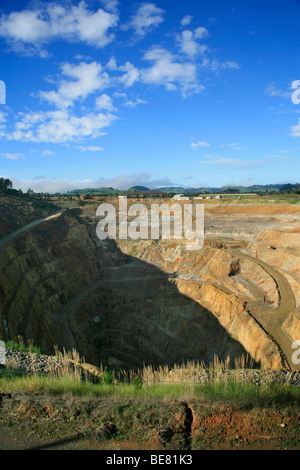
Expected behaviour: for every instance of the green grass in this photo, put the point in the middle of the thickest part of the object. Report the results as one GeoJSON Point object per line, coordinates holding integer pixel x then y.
{"type": "Point", "coordinates": [243, 393]}
{"type": "Point", "coordinates": [21, 347]}
{"type": "Point", "coordinates": [249, 395]}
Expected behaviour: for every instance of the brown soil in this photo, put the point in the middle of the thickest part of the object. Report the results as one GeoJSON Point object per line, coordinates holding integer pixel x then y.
{"type": "Point", "coordinates": [40, 422]}
{"type": "Point", "coordinates": [255, 209]}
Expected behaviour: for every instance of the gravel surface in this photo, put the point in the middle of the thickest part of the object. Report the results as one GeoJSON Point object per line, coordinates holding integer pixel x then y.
{"type": "Point", "coordinates": [30, 362]}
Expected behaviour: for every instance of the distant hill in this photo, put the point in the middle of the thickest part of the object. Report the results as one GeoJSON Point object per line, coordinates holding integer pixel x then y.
{"type": "Point", "coordinates": [138, 189]}
{"type": "Point", "coordinates": [230, 189]}
{"type": "Point", "coordinates": [97, 191]}
{"type": "Point", "coordinates": [180, 190]}
{"type": "Point", "coordinates": [174, 190]}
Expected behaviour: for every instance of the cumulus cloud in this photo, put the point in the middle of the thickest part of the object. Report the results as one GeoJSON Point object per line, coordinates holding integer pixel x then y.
{"type": "Point", "coordinates": [66, 123]}
{"type": "Point", "coordinates": [147, 17]}
{"type": "Point", "coordinates": [59, 126]}
{"type": "Point", "coordinates": [186, 20]}
{"type": "Point", "coordinates": [51, 21]}
{"type": "Point", "coordinates": [188, 41]}
{"type": "Point", "coordinates": [169, 72]}
{"type": "Point", "coordinates": [104, 102]}
{"type": "Point", "coordinates": [131, 74]}
{"type": "Point", "coordinates": [84, 79]}
{"type": "Point", "coordinates": [110, 5]}
{"type": "Point", "coordinates": [166, 70]}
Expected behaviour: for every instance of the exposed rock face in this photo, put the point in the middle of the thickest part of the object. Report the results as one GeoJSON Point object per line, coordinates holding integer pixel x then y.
{"type": "Point", "coordinates": [210, 280]}
{"type": "Point", "coordinates": [117, 303]}
{"type": "Point", "coordinates": [61, 286]}
{"type": "Point", "coordinates": [292, 325]}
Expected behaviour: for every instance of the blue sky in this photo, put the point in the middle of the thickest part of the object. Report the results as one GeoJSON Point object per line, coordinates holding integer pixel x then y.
{"type": "Point", "coordinates": [119, 93]}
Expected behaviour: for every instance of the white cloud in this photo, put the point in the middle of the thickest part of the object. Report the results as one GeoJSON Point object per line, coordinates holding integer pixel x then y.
{"type": "Point", "coordinates": [124, 181]}
{"type": "Point", "coordinates": [90, 149]}
{"type": "Point", "coordinates": [133, 104]}
{"type": "Point", "coordinates": [50, 185]}
{"type": "Point", "coordinates": [131, 75]}
{"type": "Point", "coordinates": [234, 146]}
{"type": "Point", "coordinates": [46, 153]}
{"type": "Point", "coordinates": [85, 78]}
{"type": "Point", "coordinates": [2, 123]}
{"type": "Point", "coordinates": [296, 130]}
{"type": "Point", "coordinates": [12, 156]}
{"type": "Point", "coordinates": [233, 163]}
{"type": "Point", "coordinates": [127, 181]}
{"type": "Point", "coordinates": [104, 102]}
{"type": "Point", "coordinates": [273, 91]}
{"type": "Point", "coordinates": [196, 145]}
{"type": "Point", "coordinates": [186, 20]}
{"type": "Point", "coordinates": [166, 70]}
{"type": "Point", "coordinates": [62, 125]}
{"type": "Point", "coordinates": [52, 21]}
{"type": "Point", "coordinates": [215, 65]}
{"type": "Point", "coordinates": [188, 41]}
{"type": "Point", "coordinates": [170, 73]}
{"type": "Point", "coordinates": [110, 5]}
{"type": "Point", "coordinates": [59, 126]}
{"type": "Point", "coordinates": [200, 32]}
{"type": "Point", "coordinates": [147, 17]}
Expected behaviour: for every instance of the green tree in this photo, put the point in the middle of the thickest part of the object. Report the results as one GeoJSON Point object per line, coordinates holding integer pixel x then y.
{"type": "Point", "coordinates": [5, 184]}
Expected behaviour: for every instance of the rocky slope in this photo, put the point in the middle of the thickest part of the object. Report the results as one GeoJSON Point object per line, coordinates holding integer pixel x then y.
{"type": "Point", "coordinates": [119, 303]}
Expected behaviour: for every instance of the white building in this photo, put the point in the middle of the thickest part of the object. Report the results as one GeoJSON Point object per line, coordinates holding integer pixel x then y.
{"type": "Point", "coordinates": [180, 197]}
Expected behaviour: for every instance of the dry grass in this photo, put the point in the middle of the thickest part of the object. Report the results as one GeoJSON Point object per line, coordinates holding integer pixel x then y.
{"type": "Point", "coordinates": [69, 365]}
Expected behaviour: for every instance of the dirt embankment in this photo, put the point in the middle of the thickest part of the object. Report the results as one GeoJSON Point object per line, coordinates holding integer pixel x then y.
{"type": "Point", "coordinates": [43, 422]}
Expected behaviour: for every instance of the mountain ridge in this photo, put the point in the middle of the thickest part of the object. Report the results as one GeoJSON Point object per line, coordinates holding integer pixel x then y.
{"type": "Point", "coordinates": [181, 190]}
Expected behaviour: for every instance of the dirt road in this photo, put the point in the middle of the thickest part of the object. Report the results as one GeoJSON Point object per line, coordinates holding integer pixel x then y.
{"type": "Point", "coordinates": [8, 238]}
{"type": "Point", "coordinates": [272, 319]}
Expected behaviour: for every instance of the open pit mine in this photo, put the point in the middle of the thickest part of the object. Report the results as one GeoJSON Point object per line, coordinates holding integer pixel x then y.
{"type": "Point", "coordinates": [126, 303]}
